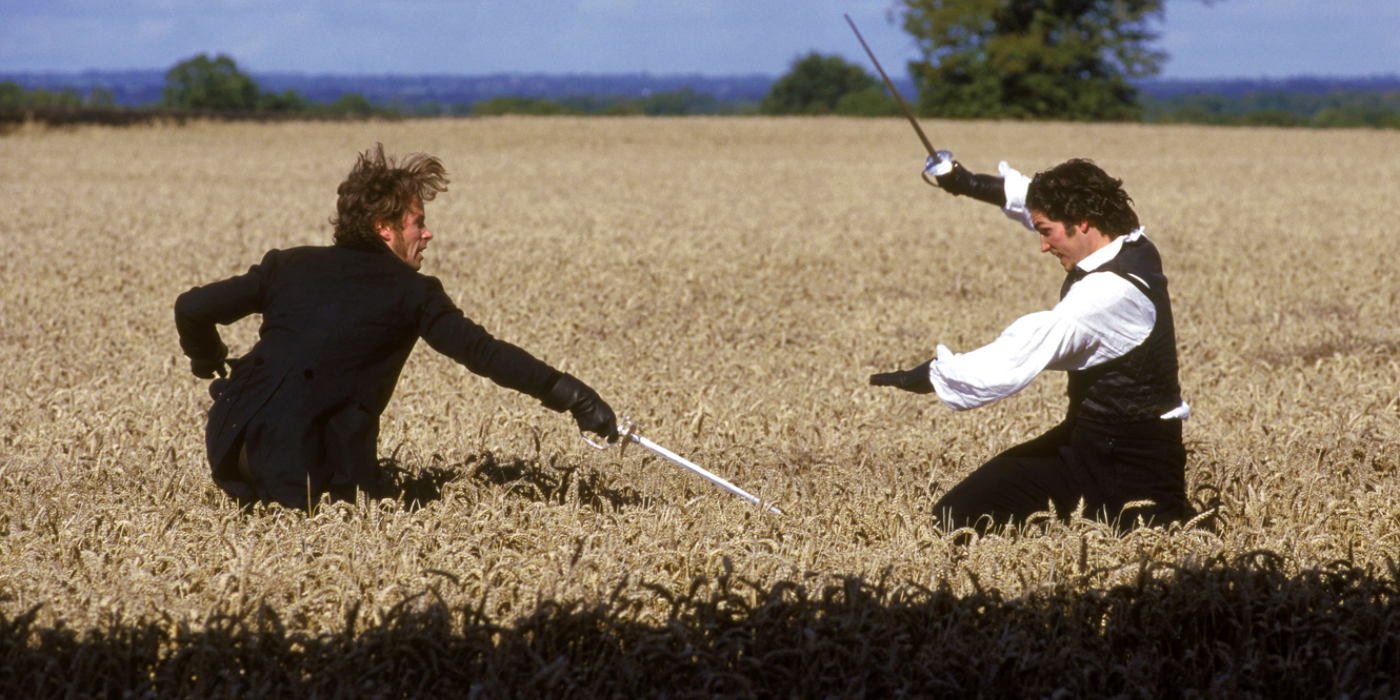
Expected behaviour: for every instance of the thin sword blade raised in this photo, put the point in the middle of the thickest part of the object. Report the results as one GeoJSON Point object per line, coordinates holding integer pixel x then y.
{"type": "Point", "coordinates": [890, 84]}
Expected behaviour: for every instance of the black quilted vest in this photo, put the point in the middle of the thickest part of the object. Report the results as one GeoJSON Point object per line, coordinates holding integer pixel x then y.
{"type": "Point", "coordinates": [1141, 385]}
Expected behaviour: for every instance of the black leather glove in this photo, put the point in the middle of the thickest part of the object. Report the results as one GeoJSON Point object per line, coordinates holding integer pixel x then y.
{"type": "Point", "coordinates": [915, 380]}
{"type": "Point", "coordinates": [207, 367]}
{"type": "Point", "coordinates": [589, 410]}
{"type": "Point", "coordinates": [957, 180]}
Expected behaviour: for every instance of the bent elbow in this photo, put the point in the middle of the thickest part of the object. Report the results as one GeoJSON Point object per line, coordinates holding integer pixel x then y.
{"type": "Point", "coordinates": [184, 305]}
{"type": "Point", "coordinates": [192, 307]}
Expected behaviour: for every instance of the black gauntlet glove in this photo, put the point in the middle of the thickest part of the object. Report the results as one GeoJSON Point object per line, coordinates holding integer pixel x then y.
{"type": "Point", "coordinates": [589, 409]}
{"type": "Point", "coordinates": [957, 180]}
{"type": "Point", "coordinates": [915, 380]}
{"type": "Point", "coordinates": [207, 367]}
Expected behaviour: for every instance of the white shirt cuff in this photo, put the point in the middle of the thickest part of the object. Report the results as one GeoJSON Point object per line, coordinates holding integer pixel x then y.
{"type": "Point", "coordinates": [1016, 186]}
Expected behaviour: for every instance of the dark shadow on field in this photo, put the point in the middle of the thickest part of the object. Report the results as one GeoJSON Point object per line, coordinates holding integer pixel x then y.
{"type": "Point", "coordinates": [1224, 629]}
{"type": "Point", "coordinates": [554, 484]}
{"type": "Point", "coordinates": [414, 487]}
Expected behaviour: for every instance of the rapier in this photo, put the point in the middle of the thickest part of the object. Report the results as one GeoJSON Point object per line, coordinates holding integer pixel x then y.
{"type": "Point", "coordinates": [890, 84]}
{"type": "Point", "coordinates": [630, 435]}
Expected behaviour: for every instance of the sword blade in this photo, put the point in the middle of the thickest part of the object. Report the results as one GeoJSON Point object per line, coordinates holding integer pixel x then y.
{"type": "Point", "coordinates": [703, 473]}
{"type": "Point", "coordinates": [890, 84]}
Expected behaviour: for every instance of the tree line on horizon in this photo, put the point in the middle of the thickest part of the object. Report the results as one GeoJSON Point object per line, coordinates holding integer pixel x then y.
{"type": "Point", "coordinates": [981, 59]}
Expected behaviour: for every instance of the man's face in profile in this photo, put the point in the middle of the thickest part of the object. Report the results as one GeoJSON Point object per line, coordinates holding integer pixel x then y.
{"type": "Point", "coordinates": [411, 237]}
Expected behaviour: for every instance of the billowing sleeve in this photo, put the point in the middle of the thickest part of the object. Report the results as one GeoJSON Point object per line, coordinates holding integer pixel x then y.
{"type": "Point", "coordinates": [199, 310]}
{"type": "Point", "coordinates": [1016, 186]}
{"type": "Point", "coordinates": [1102, 318]}
{"type": "Point", "coordinates": [448, 331]}
{"type": "Point", "coordinates": [1009, 363]}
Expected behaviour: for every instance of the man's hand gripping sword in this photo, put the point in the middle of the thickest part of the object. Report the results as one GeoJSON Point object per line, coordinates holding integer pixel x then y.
{"type": "Point", "coordinates": [629, 434]}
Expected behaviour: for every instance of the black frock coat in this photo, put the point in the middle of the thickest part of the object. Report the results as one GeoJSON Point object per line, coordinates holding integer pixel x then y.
{"type": "Point", "coordinates": [338, 323]}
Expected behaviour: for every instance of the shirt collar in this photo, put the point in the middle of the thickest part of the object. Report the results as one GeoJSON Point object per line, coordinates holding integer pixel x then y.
{"type": "Point", "coordinates": [1097, 258]}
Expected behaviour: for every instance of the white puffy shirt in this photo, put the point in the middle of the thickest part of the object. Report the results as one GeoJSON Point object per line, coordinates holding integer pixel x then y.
{"type": "Point", "coordinates": [1102, 317]}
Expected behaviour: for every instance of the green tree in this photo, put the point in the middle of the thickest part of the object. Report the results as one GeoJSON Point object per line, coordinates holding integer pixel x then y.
{"type": "Point", "coordinates": [100, 98]}
{"type": "Point", "coordinates": [201, 83]}
{"type": "Point", "coordinates": [351, 104]}
{"type": "Point", "coordinates": [1032, 59]}
{"type": "Point", "coordinates": [428, 108]}
{"type": "Point", "coordinates": [1280, 108]}
{"type": "Point", "coordinates": [870, 102]}
{"type": "Point", "coordinates": [11, 94]}
{"type": "Point", "coordinates": [286, 101]}
{"type": "Point", "coordinates": [679, 103]}
{"type": "Point", "coordinates": [67, 98]}
{"type": "Point", "coordinates": [815, 85]}
{"type": "Point", "coordinates": [519, 105]}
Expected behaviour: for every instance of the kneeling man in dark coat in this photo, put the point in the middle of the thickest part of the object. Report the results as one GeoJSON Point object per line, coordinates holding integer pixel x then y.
{"type": "Point", "coordinates": [299, 415]}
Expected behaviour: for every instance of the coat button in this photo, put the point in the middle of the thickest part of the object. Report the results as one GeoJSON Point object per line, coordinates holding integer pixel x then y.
{"type": "Point", "coordinates": [308, 374]}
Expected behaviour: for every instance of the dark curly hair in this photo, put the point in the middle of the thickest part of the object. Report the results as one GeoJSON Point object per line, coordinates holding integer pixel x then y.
{"type": "Point", "coordinates": [1077, 190]}
{"type": "Point", "coordinates": [379, 190]}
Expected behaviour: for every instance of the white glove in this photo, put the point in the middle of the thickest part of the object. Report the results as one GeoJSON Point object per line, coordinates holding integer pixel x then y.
{"type": "Point", "coordinates": [940, 165]}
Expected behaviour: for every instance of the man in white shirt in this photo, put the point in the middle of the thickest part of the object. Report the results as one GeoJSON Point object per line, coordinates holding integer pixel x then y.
{"type": "Point", "coordinates": [1112, 333]}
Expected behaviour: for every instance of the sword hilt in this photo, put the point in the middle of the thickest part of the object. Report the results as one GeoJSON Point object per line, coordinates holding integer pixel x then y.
{"type": "Point", "coordinates": [627, 429]}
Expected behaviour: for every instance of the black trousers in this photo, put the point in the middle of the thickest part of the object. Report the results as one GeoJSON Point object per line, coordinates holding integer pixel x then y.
{"type": "Point", "coordinates": [1106, 465]}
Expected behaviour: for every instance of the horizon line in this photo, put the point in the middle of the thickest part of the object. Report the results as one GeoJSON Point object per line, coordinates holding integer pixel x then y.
{"type": "Point", "coordinates": [710, 76]}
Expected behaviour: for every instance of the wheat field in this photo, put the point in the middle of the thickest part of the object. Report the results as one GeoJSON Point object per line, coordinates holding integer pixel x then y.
{"type": "Point", "coordinates": [729, 284]}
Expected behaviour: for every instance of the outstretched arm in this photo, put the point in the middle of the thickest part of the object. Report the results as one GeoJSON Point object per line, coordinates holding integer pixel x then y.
{"type": "Point", "coordinates": [995, 371]}
{"type": "Point", "coordinates": [1103, 317]}
{"type": "Point", "coordinates": [451, 333]}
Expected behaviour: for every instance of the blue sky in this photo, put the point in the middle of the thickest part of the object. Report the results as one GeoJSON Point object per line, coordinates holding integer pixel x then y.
{"type": "Point", "coordinates": [1229, 38]}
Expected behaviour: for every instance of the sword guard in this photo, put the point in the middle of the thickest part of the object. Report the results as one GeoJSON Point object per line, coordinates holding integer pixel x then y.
{"type": "Point", "coordinates": [628, 429]}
